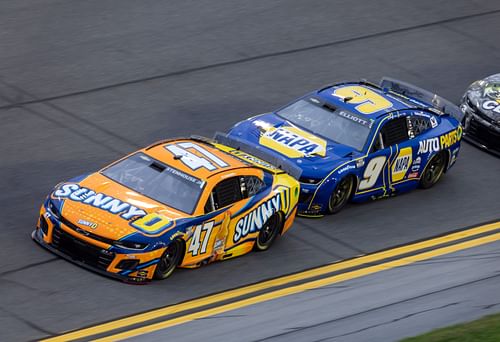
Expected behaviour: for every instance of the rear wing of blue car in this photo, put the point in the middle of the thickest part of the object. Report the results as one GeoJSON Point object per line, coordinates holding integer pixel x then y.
{"type": "Point", "coordinates": [259, 152]}
{"type": "Point", "coordinates": [418, 95]}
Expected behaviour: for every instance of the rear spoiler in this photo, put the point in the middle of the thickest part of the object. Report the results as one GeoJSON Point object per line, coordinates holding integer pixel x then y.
{"type": "Point", "coordinates": [255, 150]}
{"type": "Point", "coordinates": [426, 97]}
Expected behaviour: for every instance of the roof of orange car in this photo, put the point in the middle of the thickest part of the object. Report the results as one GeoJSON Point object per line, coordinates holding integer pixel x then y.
{"type": "Point", "coordinates": [194, 157]}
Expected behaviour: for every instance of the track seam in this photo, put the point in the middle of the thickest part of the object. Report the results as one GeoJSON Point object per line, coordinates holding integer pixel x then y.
{"type": "Point", "coordinates": [250, 59]}
{"type": "Point", "coordinates": [22, 268]}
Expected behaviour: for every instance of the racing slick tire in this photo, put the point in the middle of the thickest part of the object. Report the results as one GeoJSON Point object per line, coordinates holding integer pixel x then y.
{"type": "Point", "coordinates": [171, 257]}
{"type": "Point", "coordinates": [269, 232]}
{"type": "Point", "coordinates": [433, 171]}
{"type": "Point", "coordinates": [340, 195]}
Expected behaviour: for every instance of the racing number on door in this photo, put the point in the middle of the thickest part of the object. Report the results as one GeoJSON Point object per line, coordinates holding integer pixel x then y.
{"type": "Point", "coordinates": [208, 160]}
{"type": "Point", "coordinates": [199, 243]}
{"type": "Point", "coordinates": [369, 101]}
{"type": "Point", "coordinates": [372, 172]}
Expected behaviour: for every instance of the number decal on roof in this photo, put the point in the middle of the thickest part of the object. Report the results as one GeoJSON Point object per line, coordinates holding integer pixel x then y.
{"type": "Point", "coordinates": [208, 160]}
{"type": "Point", "coordinates": [367, 101]}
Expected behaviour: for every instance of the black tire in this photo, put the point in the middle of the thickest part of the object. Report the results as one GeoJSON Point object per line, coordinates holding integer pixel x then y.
{"type": "Point", "coordinates": [268, 233]}
{"type": "Point", "coordinates": [171, 257]}
{"type": "Point", "coordinates": [433, 170]}
{"type": "Point", "coordinates": [340, 195]}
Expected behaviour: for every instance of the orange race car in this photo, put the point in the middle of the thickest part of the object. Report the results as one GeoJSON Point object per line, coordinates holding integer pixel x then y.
{"type": "Point", "coordinates": [179, 202]}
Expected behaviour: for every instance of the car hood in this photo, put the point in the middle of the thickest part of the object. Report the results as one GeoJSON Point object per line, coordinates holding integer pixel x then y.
{"type": "Point", "coordinates": [481, 99]}
{"type": "Point", "coordinates": [103, 207]}
{"type": "Point", "coordinates": [314, 154]}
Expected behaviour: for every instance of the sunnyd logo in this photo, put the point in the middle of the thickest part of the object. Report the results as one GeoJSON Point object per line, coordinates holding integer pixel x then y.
{"type": "Point", "coordinates": [293, 142]}
{"type": "Point", "coordinates": [256, 219]}
{"type": "Point", "coordinates": [86, 196]}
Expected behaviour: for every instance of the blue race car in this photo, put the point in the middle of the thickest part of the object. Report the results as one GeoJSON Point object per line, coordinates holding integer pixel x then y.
{"type": "Point", "coordinates": [355, 141]}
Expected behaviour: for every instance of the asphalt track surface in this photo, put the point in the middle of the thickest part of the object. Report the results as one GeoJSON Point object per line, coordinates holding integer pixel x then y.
{"type": "Point", "coordinates": [82, 83]}
{"type": "Point", "coordinates": [385, 306]}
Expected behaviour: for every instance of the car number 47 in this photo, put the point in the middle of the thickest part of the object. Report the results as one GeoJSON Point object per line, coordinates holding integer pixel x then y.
{"type": "Point", "coordinates": [209, 161]}
{"type": "Point", "coordinates": [199, 243]}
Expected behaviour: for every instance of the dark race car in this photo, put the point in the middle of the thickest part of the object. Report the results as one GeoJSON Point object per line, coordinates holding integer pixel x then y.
{"type": "Point", "coordinates": [481, 108]}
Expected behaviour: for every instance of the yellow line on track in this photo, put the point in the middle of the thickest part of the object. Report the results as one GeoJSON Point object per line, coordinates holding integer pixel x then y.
{"type": "Point", "coordinates": [301, 288]}
{"type": "Point", "coordinates": [231, 294]}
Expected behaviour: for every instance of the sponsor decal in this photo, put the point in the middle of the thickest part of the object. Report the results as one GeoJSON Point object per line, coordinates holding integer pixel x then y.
{"type": "Point", "coordinates": [176, 235]}
{"type": "Point", "coordinates": [444, 141]}
{"type": "Point", "coordinates": [428, 145]}
{"type": "Point", "coordinates": [252, 159]}
{"type": "Point", "coordinates": [401, 164]}
{"type": "Point", "coordinates": [142, 273]}
{"type": "Point", "coordinates": [82, 231]}
{"type": "Point", "coordinates": [491, 105]}
{"type": "Point", "coordinates": [152, 223]}
{"type": "Point", "coordinates": [416, 164]}
{"type": "Point", "coordinates": [293, 142]}
{"type": "Point", "coordinates": [99, 200]}
{"type": "Point", "coordinates": [255, 220]}
{"type": "Point", "coordinates": [422, 114]}
{"type": "Point", "coordinates": [413, 175]}
{"type": "Point", "coordinates": [346, 168]}
{"type": "Point", "coordinates": [87, 223]}
{"type": "Point", "coordinates": [435, 110]}
{"type": "Point", "coordinates": [451, 138]}
{"type": "Point", "coordinates": [434, 122]}
{"type": "Point", "coordinates": [454, 155]}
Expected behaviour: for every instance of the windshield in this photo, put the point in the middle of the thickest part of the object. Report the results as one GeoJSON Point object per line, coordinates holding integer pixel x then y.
{"type": "Point", "coordinates": [333, 123]}
{"type": "Point", "coordinates": [158, 181]}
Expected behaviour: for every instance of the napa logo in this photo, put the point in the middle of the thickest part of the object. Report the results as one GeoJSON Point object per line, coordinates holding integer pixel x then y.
{"type": "Point", "coordinates": [401, 164]}
{"type": "Point", "coordinates": [293, 142]}
{"type": "Point", "coordinates": [255, 220]}
{"type": "Point", "coordinates": [86, 196]}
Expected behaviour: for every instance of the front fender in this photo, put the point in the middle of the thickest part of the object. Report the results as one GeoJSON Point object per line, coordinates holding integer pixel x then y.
{"type": "Point", "coordinates": [324, 189]}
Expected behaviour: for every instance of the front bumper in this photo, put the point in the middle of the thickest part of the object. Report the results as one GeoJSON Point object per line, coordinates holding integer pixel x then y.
{"type": "Point", "coordinates": [481, 133]}
{"type": "Point", "coordinates": [36, 235]}
{"type": "Point", "coordinates": [308, 205]}
{"type": "Point", "coordinates": [54, 236]}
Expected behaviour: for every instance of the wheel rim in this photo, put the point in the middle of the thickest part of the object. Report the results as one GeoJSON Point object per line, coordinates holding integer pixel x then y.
{"type": "Point", "coordinates": [168, 260]}
{"type": "Point", "coordinates": [269, 230]}
{"type": "Point", "coordinates": [435, 169]}
{"type": "Point", "coordinates": [340, 194]}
